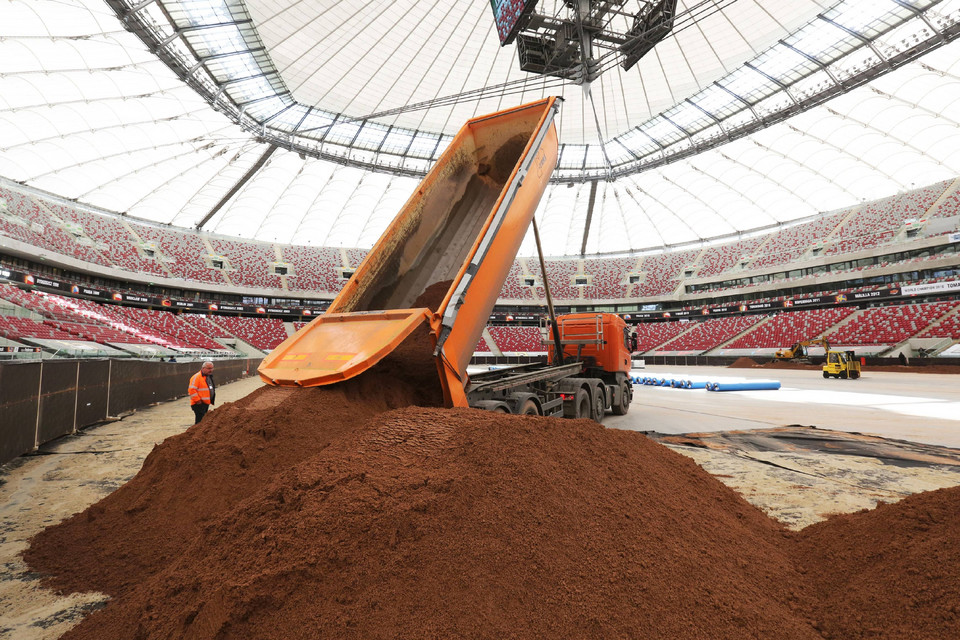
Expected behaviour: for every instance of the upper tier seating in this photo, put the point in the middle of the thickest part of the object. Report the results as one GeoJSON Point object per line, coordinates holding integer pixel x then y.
{"type": "Point", "coordinates": [112, 238]}
{"type": "Point", "coordinates": [888, 214]}
{"type": "Point", "coordinates": [181, 253]}
{"type": "Point", "coordinates": [41, 230]}
{"type": "Point", "coordinates": [719, 258]}
{"type": "Point", "coordinates": [559, 273]}
{"type": "Point", "coordinates": [888, 325]}
{"type": "Point", "coordinates": [28, 211]}
{"type": "Point", "coordinates": [517, 339]}
{"type": "Point", "coordinates": [316, 268]}
{"type": "Point", "coordinates": [711, 333]}
{"type": "Point", "coordinates": [249, 261]}
{"type": "Point", "coordinates": [949, 207]}
{"type": "Point", "coordinates": [356, 256]}
{"type": "Point", "coordinates": [783, 330]}
{"type": "Point", "coordinates": [185, 249]}
{"type": "Point", "coordinates": [263, 333]}
{"type": "Point", "coordinates": [663, 271]}
{"type": "Point", "coordinates": [609, 277]}
{"type": "Point", "coordinates": [917, 203]}
{"type": "Point", "coordinates": [513, 288]}
{"type": "Point", "coordinates": [790, 243]}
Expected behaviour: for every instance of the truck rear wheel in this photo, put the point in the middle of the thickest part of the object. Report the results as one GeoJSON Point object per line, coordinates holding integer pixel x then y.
{"type": "Point", "coordinates": [529, 408]}
{"type": "Point", "coordinates": [491, 405]}
{"type": "Point", "coordinates": [620, 408]}
{"type": "Point", "coordinates": [599, 404]}
{"type": "Point", "coordinates": [826, 375]}
{"type": "Point", "coordinates": [580, 406]}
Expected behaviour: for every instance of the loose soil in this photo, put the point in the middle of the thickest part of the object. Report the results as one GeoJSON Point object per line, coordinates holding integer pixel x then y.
{"type": "Point", "coordinates": [433, 296]}
{"type": "Point", "coordinates": [359, 511]}
{"type": "Point", "coordinates": [890, 572]}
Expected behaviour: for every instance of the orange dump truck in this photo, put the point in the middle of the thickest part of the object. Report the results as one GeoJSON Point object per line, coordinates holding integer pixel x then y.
{"type": "Point", "coordinates": [463, 224]}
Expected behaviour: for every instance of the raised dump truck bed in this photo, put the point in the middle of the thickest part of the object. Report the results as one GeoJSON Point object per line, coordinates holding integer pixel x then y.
{"type": "Point", "coordinates": [463, 224]}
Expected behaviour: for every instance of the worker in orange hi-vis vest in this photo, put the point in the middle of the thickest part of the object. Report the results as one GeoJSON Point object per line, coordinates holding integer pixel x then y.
{"type": "Point", "coordinates": [203, 391]}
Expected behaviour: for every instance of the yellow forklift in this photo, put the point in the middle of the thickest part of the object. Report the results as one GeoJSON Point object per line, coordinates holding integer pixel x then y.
{"type": "Point", "coordinates": [841, 364]}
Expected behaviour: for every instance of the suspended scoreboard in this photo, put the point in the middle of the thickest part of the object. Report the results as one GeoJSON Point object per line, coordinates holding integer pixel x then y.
{"type": "Point", "coordinates": [508, 14]}
{"type": "Point", "coordinates": [567, 44]}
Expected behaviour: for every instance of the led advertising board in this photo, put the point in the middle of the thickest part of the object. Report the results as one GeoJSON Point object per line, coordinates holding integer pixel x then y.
{"type": "Point", "coordinates": [507, 14]}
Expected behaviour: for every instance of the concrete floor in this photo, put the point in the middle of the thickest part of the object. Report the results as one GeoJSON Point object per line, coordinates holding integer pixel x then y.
{"type": "Point", "coordinates": [833, 469]}
{"type": "Point", "coordinates": [797, 485]}
{"type": "Point", "coordinates": [918, 407]}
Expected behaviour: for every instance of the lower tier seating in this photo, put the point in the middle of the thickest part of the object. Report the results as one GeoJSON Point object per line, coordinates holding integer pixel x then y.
{"type": "Point", "coordinates": [710, 333]}
{"type": "Point", "coordinates": [786, 329]}
{"type": "Point", "coordinates": [517, 339]}
{"type": "Point", "coordinates": [263, 333]}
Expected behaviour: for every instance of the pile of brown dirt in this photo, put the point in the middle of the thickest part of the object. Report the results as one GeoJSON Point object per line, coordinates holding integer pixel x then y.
{"type": "Point", "coordinates": [191, 479]}
{"type": "Point", "coordinates": [785, 364]}
{"type": "Point", "coordinates": [432, 296]}
{"type": "Point", "coordinates": [743, 363]}
{"type": "Point", "coordinates": [462, 523]}
{"type": "Point", "coordinates": [890, 572]}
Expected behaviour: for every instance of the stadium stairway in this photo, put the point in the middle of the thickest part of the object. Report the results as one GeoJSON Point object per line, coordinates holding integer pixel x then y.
{"type": "Point", "coordinates": [669, 340]}
{"type": "Point", "coordinates": [932, 345]}
{"type": "Point", "coordinates": [850, 318]}
{"type": "Point", "coordinates": [949, 191]}
{"type": "Point", "coordinates": [747, 330]}
{"type": "Point", "coordinates": [493, 346]}
{"type": "Point", "coordinates": [243, 347]}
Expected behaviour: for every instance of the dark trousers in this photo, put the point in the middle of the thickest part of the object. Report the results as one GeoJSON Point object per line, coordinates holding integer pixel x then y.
{"type": "Point", "coordinates": [199, 410]}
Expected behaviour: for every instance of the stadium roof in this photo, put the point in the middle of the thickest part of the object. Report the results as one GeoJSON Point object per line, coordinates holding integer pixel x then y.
{"type": "Point", "coordinates": [308, 121]}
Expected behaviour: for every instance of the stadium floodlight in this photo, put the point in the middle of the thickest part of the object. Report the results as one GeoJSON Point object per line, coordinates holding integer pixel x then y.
{"type": "Point", "coordinates": [651, 25]}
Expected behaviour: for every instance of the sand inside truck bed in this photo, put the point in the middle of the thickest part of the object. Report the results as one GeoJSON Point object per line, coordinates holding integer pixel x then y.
{"type": "Point", "coordinates": [363, 510]}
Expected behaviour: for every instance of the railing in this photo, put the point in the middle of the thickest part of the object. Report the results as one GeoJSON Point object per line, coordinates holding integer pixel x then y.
{"type": "Point", "coordinates": [41, 401]}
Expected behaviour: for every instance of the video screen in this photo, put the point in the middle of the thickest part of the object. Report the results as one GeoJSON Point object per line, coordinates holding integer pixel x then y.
{"type": "Point", "coordinates": [507, 14]}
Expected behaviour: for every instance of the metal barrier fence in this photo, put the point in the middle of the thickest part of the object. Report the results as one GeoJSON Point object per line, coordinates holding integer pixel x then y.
{"type": "Point", "coordinates": [43, 400]}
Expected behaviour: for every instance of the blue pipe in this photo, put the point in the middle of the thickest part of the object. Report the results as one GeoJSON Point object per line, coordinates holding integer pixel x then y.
{"type": "Point", "coordinates": [744, 386]}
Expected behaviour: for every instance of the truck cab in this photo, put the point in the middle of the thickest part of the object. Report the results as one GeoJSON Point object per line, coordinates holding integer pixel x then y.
{"type": "Point", "coordinates": [602, 341]}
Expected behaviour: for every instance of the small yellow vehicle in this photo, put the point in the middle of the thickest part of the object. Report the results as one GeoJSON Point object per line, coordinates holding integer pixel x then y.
{"type": "Point", "coordinates": [799, 350]}
{"type": "Point", "coordinates": [841, 364]}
